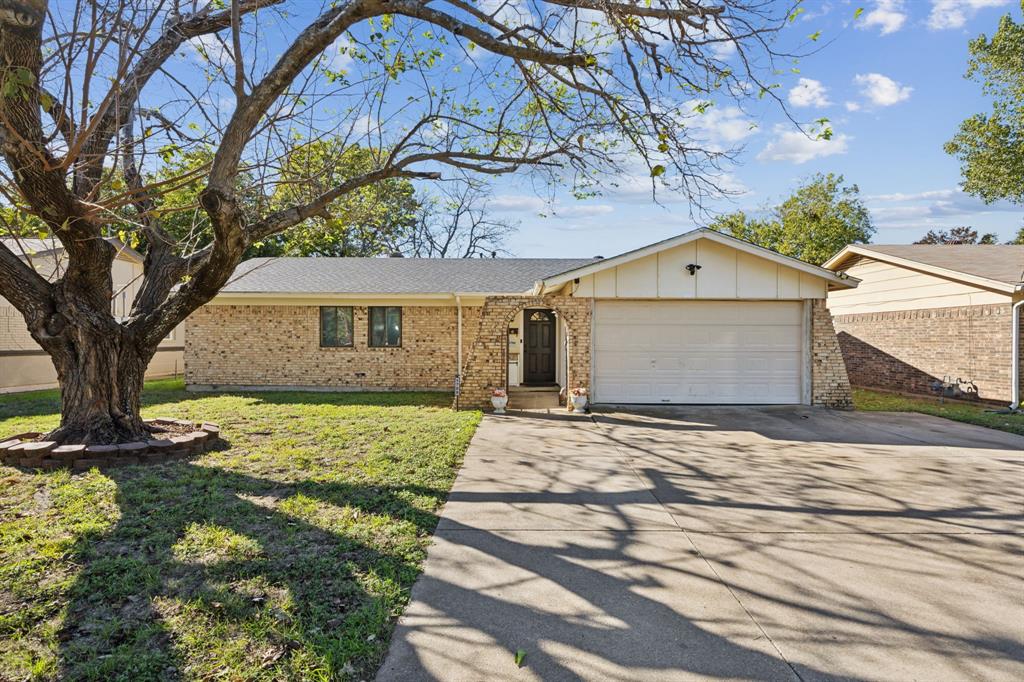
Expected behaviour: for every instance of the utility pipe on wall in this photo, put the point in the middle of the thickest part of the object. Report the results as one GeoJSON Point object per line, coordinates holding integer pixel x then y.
{"type": "Point", "coordinates": [1015, 355]}
{"type": "Point", "coordinates": [458, 336]}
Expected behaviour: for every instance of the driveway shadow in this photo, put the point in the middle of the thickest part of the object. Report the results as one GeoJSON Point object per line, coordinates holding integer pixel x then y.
{"type": "Point", "coordinates": [789, 555]}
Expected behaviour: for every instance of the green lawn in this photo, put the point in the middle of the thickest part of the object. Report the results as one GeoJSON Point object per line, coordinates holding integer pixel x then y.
{"type": "Point", "coordinates": [285, 555]}
{"type": "Point", "coordinates": [874, 401]}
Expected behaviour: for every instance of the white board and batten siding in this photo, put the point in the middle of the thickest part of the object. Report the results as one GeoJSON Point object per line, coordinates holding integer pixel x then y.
{"type": "Point", "coordinates": [736, 332]}
{"type": "Point", "coordinates": [886, 287]}
{"type": "Point", "coordinates": [725, 273]}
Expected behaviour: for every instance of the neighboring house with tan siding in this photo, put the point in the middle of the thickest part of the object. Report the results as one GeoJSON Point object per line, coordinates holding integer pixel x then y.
{"type": "Point", "coordinates": [930, 313]}
{"type": "Point", "coordinates": [24, 366]}
{"type": "Point", "coordinates": [699, 318]}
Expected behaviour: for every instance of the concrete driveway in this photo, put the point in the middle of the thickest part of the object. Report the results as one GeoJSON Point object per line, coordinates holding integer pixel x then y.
{"type": "Point", "coordinates": [739, 543]}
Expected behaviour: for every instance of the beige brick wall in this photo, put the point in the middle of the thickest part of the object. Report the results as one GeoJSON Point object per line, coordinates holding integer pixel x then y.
{"type": "Point", "coordinates": [830, 385]}
{"type": "Point", "coordinates": [13, 331]}
{"type": "Point", "coordinates": [907, 350]}
{"type": "Point", "coordinates": [280, 346]}
{"type": "Point", "coordinates": [486, 363]}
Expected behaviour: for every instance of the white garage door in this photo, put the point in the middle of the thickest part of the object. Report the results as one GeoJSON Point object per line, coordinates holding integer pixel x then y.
{"type": "Point", "coordinates": [742, 352]}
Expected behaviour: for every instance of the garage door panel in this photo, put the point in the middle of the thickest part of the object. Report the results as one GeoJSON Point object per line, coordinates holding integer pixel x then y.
{"type": "Point", "coordinates": [698, 352]}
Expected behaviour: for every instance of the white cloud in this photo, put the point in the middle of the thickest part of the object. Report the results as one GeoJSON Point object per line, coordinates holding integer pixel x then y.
{"type": "Point", "coordinates": [338, 56]}
{"type": "Point", "coordinates": [852, 106]}
{"type": "Point", "coordinates": [881, 90]}
{"type": "Point", "coordinates": [796, 147]}
{"type": "Point", "coordinates": [582, 210]}
{"type": "Point", "coordinates": [511, 13]}
{"type": "Point", "coordinates": [718, 126]}
{"type": "Point", "coordinates": [955, 13]}
{"type": "Point", "coordinates": [209, 48]}
{"type": "Point", "coordinates": [915, 196]}
{"type": "Point", "coordinates": [525, 203]}
{"type": "Point", "coordinates": [808, 93]}
{"type": "Point", "coordinates": [930, 208]}
{"type": "Point", "coordinates": [888, 15]}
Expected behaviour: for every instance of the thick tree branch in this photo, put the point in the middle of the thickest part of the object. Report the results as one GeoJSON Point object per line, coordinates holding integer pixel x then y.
{"type": "Point", "coordinates": [122, 99]}
{"type": "Point", "coordinates": [20, 284]}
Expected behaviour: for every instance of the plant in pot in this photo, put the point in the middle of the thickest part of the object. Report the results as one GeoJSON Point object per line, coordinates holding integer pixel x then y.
{"type": "Point", "coordinates": [578, 397]}
{"type": "Point", "coordinates": [499, 399]}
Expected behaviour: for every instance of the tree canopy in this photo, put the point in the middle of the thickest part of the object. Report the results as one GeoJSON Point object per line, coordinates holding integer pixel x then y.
{"type": "Point", "coordinates": [813, 224]}
{"type": "Point", "coordinates": [958, 235]}
{"type": "Point", "coordinates": [991, 146]}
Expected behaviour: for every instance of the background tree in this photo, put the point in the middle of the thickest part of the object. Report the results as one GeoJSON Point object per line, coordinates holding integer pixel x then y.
{"type": "Point", "coordinates": [958, 235]}
{"type": "Point", "coordinates": [820, 218]}
{"type": "Point", "coordinates": [363, 222]}
{"type": "Point", "coordinates": [991, 146]}
{"type": "Point", "coordinates": [456, 224]}
{"type": "Point", "coordinates": [1019, 239]}
{"type": "Point", "coordinates": [95, 95]}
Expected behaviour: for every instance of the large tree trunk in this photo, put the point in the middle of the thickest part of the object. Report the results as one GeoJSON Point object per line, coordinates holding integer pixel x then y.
{"type": "Point", "coordinates": [100, 379]}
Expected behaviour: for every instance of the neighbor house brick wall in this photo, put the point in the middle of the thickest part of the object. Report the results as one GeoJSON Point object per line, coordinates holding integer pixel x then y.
{"type": "Point", "coordinates": [830, 385]}
{"type": "Point", "coordinates": [280, 346]}
{"type": "Point", "coordinates": [908, 350]}
{"type": "Point", "coordinates": [14, 333]}
{"type": "Point", "coordinates": [486, 364]}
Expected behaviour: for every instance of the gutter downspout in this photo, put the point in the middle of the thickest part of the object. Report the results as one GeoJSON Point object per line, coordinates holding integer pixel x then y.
{"type": "Point", "coordinates": [458, 348]}
{"type": "Point", "coordinates": [1015, 355]}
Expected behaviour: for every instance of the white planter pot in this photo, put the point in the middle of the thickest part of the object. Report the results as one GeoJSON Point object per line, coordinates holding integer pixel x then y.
{"type": "Point", "coordinates": [579, 402]}
{"type": "Point", "coordinates": [499, 404]}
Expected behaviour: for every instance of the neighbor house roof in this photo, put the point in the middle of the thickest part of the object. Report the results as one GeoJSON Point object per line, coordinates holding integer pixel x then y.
{"type": "Point", "coordinates": [558, 279]}
{"type": "Point", "coordinates": [33, 247]}
{"type": "Point", "coordinates": [994, 266]}
{"type": "Point", "coordinates": [394, 275]}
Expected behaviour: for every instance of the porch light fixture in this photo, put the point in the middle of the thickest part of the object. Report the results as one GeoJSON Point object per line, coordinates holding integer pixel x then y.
{"type": "Point", "coordinates": [692, 268]}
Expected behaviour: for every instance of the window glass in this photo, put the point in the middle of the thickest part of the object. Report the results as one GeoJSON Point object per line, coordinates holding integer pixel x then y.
{"type": "Point", "coordinates": [394, 326]}
{"type": "Point", "coordinates": [385, 326]}
{"type": "Point", "coordinates": [336, 326]}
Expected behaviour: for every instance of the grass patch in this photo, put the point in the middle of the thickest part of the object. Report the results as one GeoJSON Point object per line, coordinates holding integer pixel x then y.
{"type": "Point", "coordinates": [877, 401]}
{"type": "Point", "coordinates": [286, 555]}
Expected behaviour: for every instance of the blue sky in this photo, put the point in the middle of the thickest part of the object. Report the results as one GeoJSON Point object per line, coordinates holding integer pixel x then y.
{"type": "Point", "coordinates": [891, 83]}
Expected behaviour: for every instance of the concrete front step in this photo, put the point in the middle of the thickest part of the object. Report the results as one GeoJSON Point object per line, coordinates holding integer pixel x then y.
{"type": "Point", "coordinates": [532, 398]}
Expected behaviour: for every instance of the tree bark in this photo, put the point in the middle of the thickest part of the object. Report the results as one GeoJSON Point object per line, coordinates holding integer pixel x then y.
{"type": "Point", "coordinates": [100, 376]}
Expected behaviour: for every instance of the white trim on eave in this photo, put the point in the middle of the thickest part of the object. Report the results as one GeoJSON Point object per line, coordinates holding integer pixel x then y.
{"type": "Point", "coordinates": [837, 260]}
{"type": "Point", "coordinates": [840, 280]}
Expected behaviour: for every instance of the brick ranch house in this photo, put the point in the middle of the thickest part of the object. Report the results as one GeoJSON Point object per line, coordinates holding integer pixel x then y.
{"type": "Point", "coordinates": [698, 318]}
{"type": "Point", "coordinates": [927, 313]}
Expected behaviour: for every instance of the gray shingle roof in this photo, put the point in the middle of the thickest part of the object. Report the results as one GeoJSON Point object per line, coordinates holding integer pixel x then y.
{"type": "Point", "coordinates": [24, 246]}
{"type": "Point", "coordinates": [394, 275]}
{"type": "Point", "coordinates": [999, 262]}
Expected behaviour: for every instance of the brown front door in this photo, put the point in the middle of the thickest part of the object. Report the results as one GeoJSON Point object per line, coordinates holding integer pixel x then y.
{"type": "Point", "coordinates": [539, 348]}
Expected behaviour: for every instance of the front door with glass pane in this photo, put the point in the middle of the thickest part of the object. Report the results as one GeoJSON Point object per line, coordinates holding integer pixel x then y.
{"type": "Point", "coordinates": [539, 347]}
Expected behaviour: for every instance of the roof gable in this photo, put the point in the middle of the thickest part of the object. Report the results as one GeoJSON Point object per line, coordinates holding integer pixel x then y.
{"type": "Point", "coordinates": [992, 266]}
{"type": "Point", "coordinates": [28, 248]}
{"type": "Point", "coordinates": [562, 278]}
